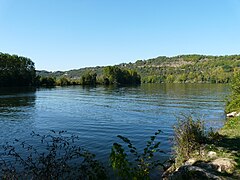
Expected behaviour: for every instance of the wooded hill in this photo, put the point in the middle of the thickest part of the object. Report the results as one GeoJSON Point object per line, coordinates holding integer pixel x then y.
{"type": "Point", "coordinates": [178, 69]}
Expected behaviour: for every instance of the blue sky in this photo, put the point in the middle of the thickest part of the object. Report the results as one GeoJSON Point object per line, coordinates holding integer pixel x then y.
{"type": "Point", "coordinates": [70, 34]}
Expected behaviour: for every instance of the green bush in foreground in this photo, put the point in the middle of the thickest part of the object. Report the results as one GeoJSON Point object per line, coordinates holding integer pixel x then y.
{"type": "Point", "coordinates": [189, 136]}
{"type": "Point", "coordinates": [141, 164]}
{"type": "Point", "coordinates": [57, 157]}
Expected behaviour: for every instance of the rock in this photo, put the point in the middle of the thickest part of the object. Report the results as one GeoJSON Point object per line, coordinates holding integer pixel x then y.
{"type": "Point", "coordinates": [211, 154]}
{"type": "Point", "coordinates": [204, 165]}
{"type": "Point", "coordinates": [224, 165]}
{"type": "Point", "coordinates": [167, 172]}
{"type": "Point", "coordinates": [196, 169]}
{"type": "Point", "coordinates": [232, 114]}
{"type": "Point", "coordinates": [234, 152]}
{"type": "Point", "coordinates": [192, 172]}
{"type": "Point", "coordinates": [238, 114]}
{"type": "Point", "coordinates": [191, 161]}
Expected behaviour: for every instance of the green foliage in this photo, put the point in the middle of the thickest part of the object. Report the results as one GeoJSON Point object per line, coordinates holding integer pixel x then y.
{"type": "Point", "coordinates": [16, 71]}
{"type": "Point", "coordinates": [142, 163]}
{"type": "Point", "coordinates": [63, 81]}
{"type": "Point", "coordinates": [231, 129]}
{"type": "Point", "coordinates": [233, 103]}
{"type": "Point", "coordinates": [89, 78]}
{"type": "Point", "coordinates": [179, 69]}
{"type": "Point", "coordinates": [189, 135]}
{"type": "Point", "coordinates": [116, 75]}
{"type": "Point", "coordinates": [47, 81]}
{"type": "Point", "coordinates": [188, 69]}
{"type": "Point", "coordinates": [59, 157]}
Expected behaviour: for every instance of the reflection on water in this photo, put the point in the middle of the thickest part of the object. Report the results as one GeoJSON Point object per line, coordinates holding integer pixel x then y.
{"type": "Point", "coordinates": [17, 111]}
{"type": "Point", "coordinates": [98, 114]}
{"type": "Point", "coordinates": [15, 102]}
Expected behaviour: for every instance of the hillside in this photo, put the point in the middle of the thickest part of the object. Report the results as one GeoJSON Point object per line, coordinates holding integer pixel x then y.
{"type": "Point", "coordinates": [178, 69]}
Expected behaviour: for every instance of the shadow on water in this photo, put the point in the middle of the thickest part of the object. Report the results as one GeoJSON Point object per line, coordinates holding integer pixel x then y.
{"type": "Point", "coordinates": [15, 101]}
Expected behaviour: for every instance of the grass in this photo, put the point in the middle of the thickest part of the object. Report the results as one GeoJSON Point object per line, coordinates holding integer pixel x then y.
{"type": "Point", "coordinates": [225, 142]}
{"type": "Point", "coordinates": [231, 128]}
{"type": "Point", "coordinates": [189, 137]}
{"type": "Point", "coordinates": [230, 139]}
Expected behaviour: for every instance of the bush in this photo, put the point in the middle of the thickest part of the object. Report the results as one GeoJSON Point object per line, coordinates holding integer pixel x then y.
{"type": "Point", "coordinates": [47, 81]}
{"type": "Point", "coordinates": [140, 164]}
{"type": "Point", "coordinates": [233, 103]}
{"type": "Point", "coordinates": [189, 135]}
{"type": "Point", "coordinates": [60, 158]}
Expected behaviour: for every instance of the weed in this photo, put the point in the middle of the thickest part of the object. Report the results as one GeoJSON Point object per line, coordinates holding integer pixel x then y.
{"type": "Point", "coordinates": [189, 136]}
{"type": "Point", "coordinates": [143, 162]}
{"type": "Point", "coordinates": [60, 158]}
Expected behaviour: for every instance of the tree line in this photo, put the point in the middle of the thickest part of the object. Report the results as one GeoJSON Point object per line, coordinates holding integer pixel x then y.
{"type": "Point", "coordinates": [187, 69]}
{"type": "Point", "coordinates": [178, 69]}
{"type": "Point", "coordinates": [20, 71]}
{"type": "Point", "coordinates": [112, 75]}
{"type": "Point", "coordinates": [16, 71]}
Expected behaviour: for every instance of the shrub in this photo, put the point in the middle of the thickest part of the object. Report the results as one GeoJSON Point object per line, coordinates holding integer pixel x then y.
{"type": "Point", "coordinates": [189, 135]}
{"type": "Point", "coordinates": [61, 158]}
{"type": "Point", "coordinates": [140, 164]}
{"type": "Point", "coordinates": [233, 102]}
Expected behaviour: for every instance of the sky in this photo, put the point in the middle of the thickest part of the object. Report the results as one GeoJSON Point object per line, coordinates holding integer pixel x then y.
{"type": "Point", "coordinates": [72, 34]}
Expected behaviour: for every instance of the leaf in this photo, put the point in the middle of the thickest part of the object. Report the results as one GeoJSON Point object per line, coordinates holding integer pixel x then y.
{"type": "Point", "coordinates": [132, 151]}
{"type": "Point", "coordinates": [52, 131]}
{"type": "Point", "coordinates": [152, 137]}
{"type": "Point", "coordinates": [126, 140]}
{"type": "Point", "coordinates": [156, 145]}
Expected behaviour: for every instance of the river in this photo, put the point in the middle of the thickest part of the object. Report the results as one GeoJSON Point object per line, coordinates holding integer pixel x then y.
{"type": "Point", "coordinates": [98, 114]}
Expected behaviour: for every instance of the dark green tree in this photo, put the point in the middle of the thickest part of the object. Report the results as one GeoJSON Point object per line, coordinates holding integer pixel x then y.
{"type": "Point", "coordinates": [116, 75]}
{"type": "Point", "coordinates": [16, 71]}
{"type": "Point", "coordinates": [47, 81]}
{"type": "Point", "coordinates": [89, 78]}
{"type": "Point", "coordinates": [63, 81]}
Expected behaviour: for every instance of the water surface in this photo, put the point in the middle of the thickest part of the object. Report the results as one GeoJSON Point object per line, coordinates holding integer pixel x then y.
{"type": "Point", "coordinates": [97, 115]}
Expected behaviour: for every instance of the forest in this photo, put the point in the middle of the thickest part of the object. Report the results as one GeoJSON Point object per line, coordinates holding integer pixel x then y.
{"type": "Point", "coordinates": [112, 75]}
{"type": "Point", "coordinates": [178, 69]}
{"type": "Point", "coordinates": [20, 71]}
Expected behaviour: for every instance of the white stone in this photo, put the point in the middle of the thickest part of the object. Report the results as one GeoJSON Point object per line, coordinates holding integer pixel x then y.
{"type": "Point", "coordinates": [212, 154]}
{"type": "Point", "coordinates": [191, 161]}
{"type": "Point", "coordinates": [232, 114]}
{"type": "Point", "coordinates": [238, 114]}
{"type": "Point", "coordinates": [224, 164]}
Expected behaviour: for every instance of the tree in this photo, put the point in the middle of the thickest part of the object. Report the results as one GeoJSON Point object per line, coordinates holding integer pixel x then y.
{"type": "Point", "coordinates": [63, 81]}
{"type": "Point", "coordinates": [16, 71]}
{"type": "Point", "coordinates": [89, 78]}
{"type": "Point", "coordinates": [116, 75]}
{"type": "Point", "coordinates": [47, 81]}
{"type": "Point", "coordinates": [233, 103]}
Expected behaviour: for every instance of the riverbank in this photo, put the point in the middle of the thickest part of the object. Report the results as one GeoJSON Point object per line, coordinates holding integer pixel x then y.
{"type": "Point", "coordinates": [217, 158]}
{"type": "Point", "coordinates": [230, 140]}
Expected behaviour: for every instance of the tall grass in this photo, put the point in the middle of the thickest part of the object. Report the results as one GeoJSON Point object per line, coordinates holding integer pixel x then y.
{"type": "Point", "coordinates": [189, 136]}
